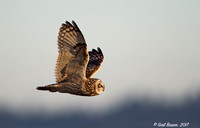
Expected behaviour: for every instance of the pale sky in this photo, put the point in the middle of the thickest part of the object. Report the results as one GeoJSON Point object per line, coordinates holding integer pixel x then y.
{"type": "Point", "coordinates": [151, 51]}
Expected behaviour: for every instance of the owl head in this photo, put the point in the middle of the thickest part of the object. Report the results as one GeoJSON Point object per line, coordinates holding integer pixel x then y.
{"type": "Point", "coordinates": [99, 87]}
{"type": "Point", "coordinates": [95, 86]}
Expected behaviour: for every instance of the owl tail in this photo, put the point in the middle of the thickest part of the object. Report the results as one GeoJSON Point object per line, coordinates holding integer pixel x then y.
{"type": "Point", "coordinates": [51, 87]}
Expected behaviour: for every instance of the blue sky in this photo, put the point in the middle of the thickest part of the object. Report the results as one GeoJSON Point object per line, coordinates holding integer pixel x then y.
{"type": "Point", "coordinates": [151, 51]}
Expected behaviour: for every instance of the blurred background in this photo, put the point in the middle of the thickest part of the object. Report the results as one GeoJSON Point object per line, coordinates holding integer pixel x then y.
{"type": "Point", "coordinates": [151, 68]}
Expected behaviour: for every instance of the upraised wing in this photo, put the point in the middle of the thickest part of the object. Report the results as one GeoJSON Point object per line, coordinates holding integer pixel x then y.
{"type": "Point", "coordinates": [73, 55]}
{"type": "Point", "coordinates": [95, 61]}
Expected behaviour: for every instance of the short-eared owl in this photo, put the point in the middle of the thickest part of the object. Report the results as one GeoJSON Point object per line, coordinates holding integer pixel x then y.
{"type": "Point", "coordinates": [75, 66]}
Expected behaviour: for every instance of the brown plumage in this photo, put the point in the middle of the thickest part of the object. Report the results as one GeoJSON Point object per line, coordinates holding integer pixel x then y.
{"type": "Point", "coordinates": [75, 66]}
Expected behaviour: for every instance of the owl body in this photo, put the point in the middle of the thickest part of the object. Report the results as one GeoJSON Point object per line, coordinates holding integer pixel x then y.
{"type": "Point", "coordinates": [75, 65]}
{"type": "Point", "coordinates": [86, 87]}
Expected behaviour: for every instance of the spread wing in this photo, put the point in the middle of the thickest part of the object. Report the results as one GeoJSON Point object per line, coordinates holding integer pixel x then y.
{"type": "Point", "coordinates": [95, 61]}
{"type": "Point", "coordinates": [73, 55]}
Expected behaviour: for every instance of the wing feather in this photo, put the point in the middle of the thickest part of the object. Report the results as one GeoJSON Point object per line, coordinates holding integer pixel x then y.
{"type": "Point", "coordinates": [73, 55]}
{"type": "Point", "coordinates": [95, 61]}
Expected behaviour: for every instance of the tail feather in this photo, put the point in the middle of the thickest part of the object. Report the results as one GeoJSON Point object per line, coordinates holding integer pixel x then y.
{"type": "Point", "coordinates": [51, 88]}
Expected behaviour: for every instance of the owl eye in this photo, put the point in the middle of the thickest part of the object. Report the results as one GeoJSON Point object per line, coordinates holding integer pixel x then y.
{"type": "Point", "coordinates": [99, 85]}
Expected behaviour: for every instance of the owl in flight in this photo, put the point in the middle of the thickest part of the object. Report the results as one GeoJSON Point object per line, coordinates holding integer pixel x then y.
{"type": "Point", "coordinates": [75, 65]}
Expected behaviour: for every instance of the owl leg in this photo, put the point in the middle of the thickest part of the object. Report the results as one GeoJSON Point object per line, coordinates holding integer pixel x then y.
{"type": "Point", "coordinates": [51, 87]}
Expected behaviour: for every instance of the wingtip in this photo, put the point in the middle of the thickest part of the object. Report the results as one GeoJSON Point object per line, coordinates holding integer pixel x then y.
{"type": "Point", "coordinates": [99, 50]}
{"type": "Point", "coordinates": [74, 23]}
{"type": "Point", "coordinates": [76, 26]}
{"type": "Point", "coordinates": [68, 23]}
{"type": "Point", "coordinates": [94, 50]}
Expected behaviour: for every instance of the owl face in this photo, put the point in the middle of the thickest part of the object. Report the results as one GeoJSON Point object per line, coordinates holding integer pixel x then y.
{"type": "Point", "coordinates": [99, 87]}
